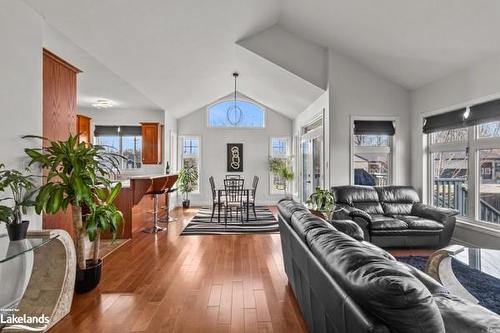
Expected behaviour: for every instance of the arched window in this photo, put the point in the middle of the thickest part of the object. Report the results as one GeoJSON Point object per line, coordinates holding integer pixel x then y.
{"type": "Point", "coordinates": [244, 115]}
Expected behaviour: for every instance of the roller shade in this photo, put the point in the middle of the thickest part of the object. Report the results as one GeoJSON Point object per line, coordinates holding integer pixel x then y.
{"type": "Point", "coordinates": [479, 114]}
{"type": "Point", "coordinates": [113, 131]}
{"type": "Point", "coordinates": [378, 127]}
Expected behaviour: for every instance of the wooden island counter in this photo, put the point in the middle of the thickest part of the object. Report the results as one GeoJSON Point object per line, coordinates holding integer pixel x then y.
{"type": "Point", "coordinates": [136, 205]}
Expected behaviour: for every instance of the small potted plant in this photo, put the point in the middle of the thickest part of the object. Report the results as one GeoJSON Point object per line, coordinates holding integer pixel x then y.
{"type": "Point", "coordinates": [321, 203]}
{"type": "Point", "coordinates": [281, 168]}
{"type": "Point", "coordinates": [187, 180]}
{"type": "Point", "coordinates": [21, 189]}
{"type": "Point", "coordinates": [78, 178]}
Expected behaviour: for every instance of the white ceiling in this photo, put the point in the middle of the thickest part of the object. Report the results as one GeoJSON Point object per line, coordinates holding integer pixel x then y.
{"type": "Point", "coordinates": [411, 42]}
{"type": "Point", "coordinates": [180, 54]}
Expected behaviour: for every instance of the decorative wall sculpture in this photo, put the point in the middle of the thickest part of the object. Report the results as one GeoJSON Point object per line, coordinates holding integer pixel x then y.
{"type": "Point", "coordinates": [234, 157]}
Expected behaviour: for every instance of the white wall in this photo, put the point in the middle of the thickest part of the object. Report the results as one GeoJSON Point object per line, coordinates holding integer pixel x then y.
{"type": "Point", "coordinates": [20, 83]}
{"type": "Point", "coordinates": [357, 91]}
{"type": "Point", "coordinates": [295, 54]}
{"type": "Point", "coordinates": [256, 144]}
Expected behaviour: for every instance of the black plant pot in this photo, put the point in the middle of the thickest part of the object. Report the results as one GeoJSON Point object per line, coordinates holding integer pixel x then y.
{"type": "Point", "coordinates": [17, 231]}
{"type": "Point", "coordinates": [87, 279]}
{"type": "Point", "coordinates": [186, 203]}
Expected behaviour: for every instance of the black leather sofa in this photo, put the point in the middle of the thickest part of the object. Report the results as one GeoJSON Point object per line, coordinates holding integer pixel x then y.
{"type": "Point", "coordinates": [392, 216]}
{"type": "Point", "coordinates": [345, 285]}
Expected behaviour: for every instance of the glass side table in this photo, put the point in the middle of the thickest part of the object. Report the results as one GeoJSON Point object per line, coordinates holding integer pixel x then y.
{"type": "Point", "coordinates": [37, 275]}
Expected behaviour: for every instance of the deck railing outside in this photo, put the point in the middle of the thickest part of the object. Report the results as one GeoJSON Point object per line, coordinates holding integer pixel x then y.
{"type": "Point", "coordinates": [452, 193]}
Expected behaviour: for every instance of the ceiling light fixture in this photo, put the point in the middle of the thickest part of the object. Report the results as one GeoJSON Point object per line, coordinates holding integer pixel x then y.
{"type": "Point", "coordinates": [467, 112]}
{"type": "Point", "coordinates": [102, 104]}
{"type": "Point", "coordinates": [234, 113]}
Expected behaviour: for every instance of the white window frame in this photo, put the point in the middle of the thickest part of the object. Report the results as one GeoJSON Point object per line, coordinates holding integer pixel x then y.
{"type": "Point", "coordinates": [474, 144]}
{"type": "Point", "coordinates": [272, 189]}
{"type": "Point", "coordinates": [393, 149]}
{"type": "Point", "coordinates": [182, 138]}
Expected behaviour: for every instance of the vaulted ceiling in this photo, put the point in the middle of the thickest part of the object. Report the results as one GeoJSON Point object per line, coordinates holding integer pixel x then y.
{"type": "Point", "coordinates": [180, 54]}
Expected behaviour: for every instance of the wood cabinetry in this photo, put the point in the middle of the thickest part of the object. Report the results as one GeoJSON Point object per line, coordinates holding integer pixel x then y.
{"type": "Point", "coordinates": [152, 143]}
{"type": "Point", "coordinates": [59, 116]}
{"type": "Point", "coordinates": [83, 128]}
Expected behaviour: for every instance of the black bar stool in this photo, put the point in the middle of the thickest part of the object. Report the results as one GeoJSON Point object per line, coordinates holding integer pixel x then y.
{"type": "Point", "coordinates": [168, 218]}
{"type": "Point", "coordinates": [157, 190]}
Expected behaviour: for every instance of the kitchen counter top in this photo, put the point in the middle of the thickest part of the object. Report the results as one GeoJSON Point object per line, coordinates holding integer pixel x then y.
{"type": "Point", "coordinates": [151, 176]}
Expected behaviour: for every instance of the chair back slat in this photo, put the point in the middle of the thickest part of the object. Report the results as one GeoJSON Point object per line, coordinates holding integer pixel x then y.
{"type": "Point", "coordinates": [234, 190]}
{"type": "Point", "coordinates": [254, 185]}
{"type": "Point", "coordinates": [233, 177]}
{"type": "Point", "coordinates": [212, 186]}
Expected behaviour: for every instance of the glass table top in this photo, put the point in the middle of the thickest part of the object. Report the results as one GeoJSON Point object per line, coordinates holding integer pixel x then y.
{"type": "Point", "coordinates": [11, 249]}
{"type": "Point", "coordinates": [484, 260]}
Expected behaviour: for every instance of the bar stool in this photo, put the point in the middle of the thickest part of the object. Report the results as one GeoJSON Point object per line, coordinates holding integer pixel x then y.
{"type": "Point", "coordinates": [168, 218]}
{"type": "Point", "coordinates": [157, 190]}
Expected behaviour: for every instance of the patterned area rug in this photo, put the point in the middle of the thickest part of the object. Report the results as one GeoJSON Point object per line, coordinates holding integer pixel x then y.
{"type": "Point", "coordinates": [483, 286]}
{"type": "Point", "coordinates": [201, 225]}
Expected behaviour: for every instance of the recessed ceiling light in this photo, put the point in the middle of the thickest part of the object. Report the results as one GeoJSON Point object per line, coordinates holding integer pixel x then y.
{"type": "Point", "coordinates": [102, 104]}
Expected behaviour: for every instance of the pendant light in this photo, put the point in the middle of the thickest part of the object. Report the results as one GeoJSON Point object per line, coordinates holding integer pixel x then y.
{"type": "Point", "coordinates": [234, 114]}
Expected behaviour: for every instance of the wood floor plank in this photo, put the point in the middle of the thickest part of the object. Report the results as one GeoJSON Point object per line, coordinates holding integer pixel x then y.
{"type": "Point", "coordinates": [173, 283]}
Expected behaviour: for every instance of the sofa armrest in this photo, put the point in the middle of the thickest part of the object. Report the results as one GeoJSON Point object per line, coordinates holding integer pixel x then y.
{"type": "Point", "coordinates": [355, 212]}
{"type": "Point", "coordinates": [434, 286]}
{"type": "Point", "coordinates": [350, 228]}
{"type": "Point", "coordinates": [438, 214]}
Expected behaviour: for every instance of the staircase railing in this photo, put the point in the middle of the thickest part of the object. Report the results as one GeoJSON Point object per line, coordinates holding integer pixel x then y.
{"type": "Point", "coordinates": [452, 193]}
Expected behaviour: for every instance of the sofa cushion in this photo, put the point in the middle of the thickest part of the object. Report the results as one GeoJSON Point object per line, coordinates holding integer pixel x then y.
{"type": "Point", "coordinates": [460, 315]}
{"type": "Point", "coordinates": [303, 222]}
{"type": "Point", "coordinates": [287, 207]}
{"type": "Point", "coordinates": [381, 222]}
{"type": "Point", "coordinates": [350, 228]}
{"type": "Point", "coordinates": [397, 200]}
{"type": "Point", "coordinates": [420, 223]}
{"type": "Point", "coordinates": [381, 286]}
{"type": "Point", "coordinates": [361, 197]}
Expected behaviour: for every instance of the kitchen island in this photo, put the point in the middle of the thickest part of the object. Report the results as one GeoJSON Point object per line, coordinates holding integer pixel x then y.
{"type": "Point", "coordinates": [135, 203]}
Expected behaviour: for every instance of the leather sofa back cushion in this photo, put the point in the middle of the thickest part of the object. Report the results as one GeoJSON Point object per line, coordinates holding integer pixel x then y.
{"type": "Point", "coordinates": [303, 222]}
{"type": "Point", "coordinates": [288, 207]}
{"type": "Point", "coordinates": [362, 197]}
{"type": "Point", "coordinates": [397, 200]}
{"type": "Point", "coordinates": [382, 287]}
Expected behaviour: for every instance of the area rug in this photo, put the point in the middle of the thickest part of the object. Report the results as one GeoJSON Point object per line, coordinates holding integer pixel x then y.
{"type": "Point", "coordinates": [201, 225]}
{"type": "Point", "coordinates": [482, 286]}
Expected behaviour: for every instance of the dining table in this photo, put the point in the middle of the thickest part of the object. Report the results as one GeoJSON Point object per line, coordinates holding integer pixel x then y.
{"type": "Point", "coordinates": [246, 193]}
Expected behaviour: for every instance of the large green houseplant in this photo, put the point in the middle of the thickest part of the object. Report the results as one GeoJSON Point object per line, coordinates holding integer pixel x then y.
{"type": "Point", "coordinates": [281, 168]}
{"type": "Point", "coordinates": [187, 182]}
{"type": "Point", "coordinates": [77, 177]}
{"type": "Point", "coordinates": [21, 190]}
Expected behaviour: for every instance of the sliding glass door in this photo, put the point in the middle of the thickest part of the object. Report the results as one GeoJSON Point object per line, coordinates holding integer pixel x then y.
{"type": "Point", "coordinates": [312, 171]}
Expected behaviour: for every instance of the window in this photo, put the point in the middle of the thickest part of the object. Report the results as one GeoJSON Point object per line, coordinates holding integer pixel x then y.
{"type": "Point", "coordinates": [465, 170]}
{"type": "Point", "coordinates": [280, 149]}
{"type": "Point", "coordinates": [244, 115]}
{"type": "Point", "coordinates": [190, 155]}
{"type": "Point", "coordinates": [123, 140]}
{"type": "Point", "coordinates": [373, 152]}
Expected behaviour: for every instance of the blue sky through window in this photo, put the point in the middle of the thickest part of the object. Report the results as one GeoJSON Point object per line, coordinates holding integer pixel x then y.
{"type": "Point", "coordinates": [252, 115]}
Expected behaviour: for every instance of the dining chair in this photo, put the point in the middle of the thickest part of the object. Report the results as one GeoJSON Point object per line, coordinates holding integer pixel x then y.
{"type": "Point", "coordinates": [233, 177]}
{"type": "Point", "coordinates": [215, 199]}
{"type": "Point", "coordinates": [233, 189]}
{"type": "Point", "coordinates": [253, 193]}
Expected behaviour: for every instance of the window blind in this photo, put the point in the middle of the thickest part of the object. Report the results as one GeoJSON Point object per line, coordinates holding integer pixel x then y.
{"type": "Point", "coordinates": [117, 131]}
{"type": "Point", "coordinates": [377, 127]}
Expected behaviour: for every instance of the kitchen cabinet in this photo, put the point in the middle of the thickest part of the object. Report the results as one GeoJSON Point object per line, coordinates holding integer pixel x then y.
{"type": "Point", "coordinates": [83, 128]}
{"type": "Point", "coordinates": [152, 143]}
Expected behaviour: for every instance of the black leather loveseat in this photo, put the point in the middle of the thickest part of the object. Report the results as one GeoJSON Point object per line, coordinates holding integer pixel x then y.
{"type": "Point", "coordinates": [344, 285]}
{"type": "Point", "coordinates": [392, 216]}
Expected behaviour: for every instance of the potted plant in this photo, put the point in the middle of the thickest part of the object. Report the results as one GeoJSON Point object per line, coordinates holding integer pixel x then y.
{"type": "Point", "coordinates": [281, 168]}
{"type": "Point", "coordinates": [77, 178]}
{"type": "Point", "coordinates": [321, 203]}
{"type": "Point", "coordinates": [21, 189]}
{"type": "Point", "coordinates": [187, 180]}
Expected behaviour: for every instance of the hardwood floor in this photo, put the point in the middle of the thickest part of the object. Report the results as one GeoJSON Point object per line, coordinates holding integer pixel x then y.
{"type": "Point", "coordinates": [169, 283]}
